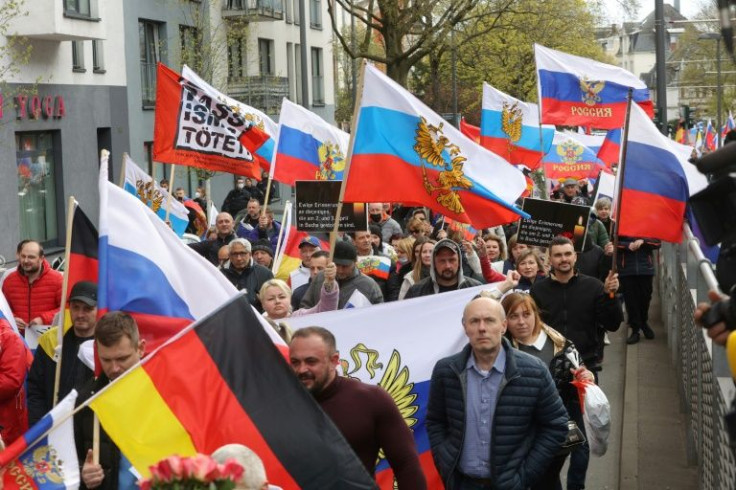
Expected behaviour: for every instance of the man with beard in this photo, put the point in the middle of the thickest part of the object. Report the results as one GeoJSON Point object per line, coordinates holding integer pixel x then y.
{"type": "Point", "coordinates": [33, 290]}
{"type": "Point", "coordinates": [365, 414]}
{"type": "Point", "coordinates": [576, 305]}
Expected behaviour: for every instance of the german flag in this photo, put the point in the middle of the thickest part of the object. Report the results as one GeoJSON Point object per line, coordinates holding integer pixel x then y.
{"type": "Point", "coordinates": [221, 381]}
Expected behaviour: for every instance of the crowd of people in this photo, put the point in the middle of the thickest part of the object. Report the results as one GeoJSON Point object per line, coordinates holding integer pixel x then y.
{"type": "Point", "coordinates": [498, 411]}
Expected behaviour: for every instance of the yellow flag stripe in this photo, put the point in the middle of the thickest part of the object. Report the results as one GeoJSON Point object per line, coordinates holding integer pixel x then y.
{"type": "Point", "coordinates": [141, 424]}
{"type": "Point", "coordinates": [288, 264]}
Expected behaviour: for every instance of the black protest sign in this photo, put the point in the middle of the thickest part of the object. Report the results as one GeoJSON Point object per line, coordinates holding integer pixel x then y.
{"type": "Point", "coordinates": [316, 206]}
{"type": "Point", "coordinates": [550, 219]}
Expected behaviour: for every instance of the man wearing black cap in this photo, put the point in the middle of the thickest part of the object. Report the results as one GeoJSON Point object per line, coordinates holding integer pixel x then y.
{"type": "Point", "coordinates": [301, 275]}
{"type": "Point", "coordinates": [356, 289]}
{"type": "Point", "coordinates": [74, 372]}
{"type": "Point", "coordinates": [574, 192]}
{"type": "Point", "coordinates": [263, 253]}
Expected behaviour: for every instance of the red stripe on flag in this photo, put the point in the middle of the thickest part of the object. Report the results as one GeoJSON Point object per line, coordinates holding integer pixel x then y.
{"type": "Point", "coordinates": [213, 417]}
{"type": "Point", "coordinates": [290, 169]}
{"type": "Point", "coordinates": [514, 154]}
{"type": "Point", "coordinates": [601, 116]}
{"type": "Point", "coordinates": [651, 215]}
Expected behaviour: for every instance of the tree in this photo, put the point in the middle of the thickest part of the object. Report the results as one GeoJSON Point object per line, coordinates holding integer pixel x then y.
{"type": "Point", "coordinates": [504, 54]}
{"type": "Point", "coordinates": [407, 30]}
{"type": "Point", "coordinates": [15, 51]}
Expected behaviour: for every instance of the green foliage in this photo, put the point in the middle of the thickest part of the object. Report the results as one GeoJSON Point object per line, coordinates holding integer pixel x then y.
{"type": "Point", "coordinates": [503, 55]}
{"type": "Point", "coordinates": [16, 51]}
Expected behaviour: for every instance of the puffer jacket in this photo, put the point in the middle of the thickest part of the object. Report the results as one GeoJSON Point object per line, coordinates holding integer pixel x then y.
{"type": "Point", "coordinates": [250, 280]}
{"type": "Point", "coordinates": [429, 285]}
{"type": "Point", "coordinates": [529, 424]}
{"type": "Point", "coordinates": [40, 299]}
{"type": "Point", "coordinates": [14, 366]}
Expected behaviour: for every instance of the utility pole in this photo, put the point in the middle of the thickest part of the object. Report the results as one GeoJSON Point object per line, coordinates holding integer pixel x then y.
{"type": "Point", "coordinates": [661, 63]}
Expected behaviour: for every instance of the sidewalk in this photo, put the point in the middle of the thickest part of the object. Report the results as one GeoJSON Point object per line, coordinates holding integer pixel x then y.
{"type": "Point", "coordinates": [647, 443]}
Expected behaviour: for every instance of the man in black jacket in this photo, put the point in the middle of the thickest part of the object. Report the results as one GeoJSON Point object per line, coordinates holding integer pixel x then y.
{"type": "Point", "coordinates": [74, 373]}
{"type": "Point", "coordinates": [119, 348]}
{"type": "Point", "coordinates": [237, 199]}
{"type": "Point", "coordinates": [244, 273]}
{"type": "Point", "coordinates": [209, 248]}
{"type": "Point", "coordinates": [576, 305]}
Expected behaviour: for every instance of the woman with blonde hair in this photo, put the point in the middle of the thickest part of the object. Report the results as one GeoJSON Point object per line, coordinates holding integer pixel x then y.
{"type": "Point", "coordinates": [275, 297]}
{"type": "Point", "coordinates": [422, 263]}
{"type": "Point", "coordinates": [529, 334]}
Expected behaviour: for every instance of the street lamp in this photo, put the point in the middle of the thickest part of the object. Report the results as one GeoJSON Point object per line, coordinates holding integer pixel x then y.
{"type": "Point", "coordinates": [719, 88]}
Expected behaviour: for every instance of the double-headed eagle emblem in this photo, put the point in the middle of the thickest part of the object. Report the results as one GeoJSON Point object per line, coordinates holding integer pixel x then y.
{"type": "Point", "coordinates": [44, 466]}
{"type": "Point", "coordinates": [590, 90]}
{"type": "Point", "coordinates": [148, 194]}
{"type": "Point", "coordinates": [331, 161]}
{"type": "Point", "coordinates": [436, 150]}
{"type": "Point", "coordinates": [570, 151]}
{"type": "Point", "coordinates": [511, 119]}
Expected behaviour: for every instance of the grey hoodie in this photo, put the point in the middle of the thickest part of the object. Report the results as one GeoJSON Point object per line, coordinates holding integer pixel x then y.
{"type": "Point", "coordinates": [429, 285]}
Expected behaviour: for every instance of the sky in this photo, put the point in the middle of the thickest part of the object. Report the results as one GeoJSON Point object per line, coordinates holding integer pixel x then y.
{"type": "Point", "coordinates": [687, 7]}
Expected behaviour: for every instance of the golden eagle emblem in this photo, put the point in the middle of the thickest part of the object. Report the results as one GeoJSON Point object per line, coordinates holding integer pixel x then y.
{"type": "Point", "coordinates": [149, 194]}
{"type": "Point", "coordinates": [590, 90]}
{"type": "Point", "coordinates": [436, 149]}
{"type": "Point", "coordinates": [395, 380]}
{"type": "Point", "coordinates": [255, 121]}
{"type": "Point", "coordinates": [570, 151]}
{"type": "Point", "coordinates": [44, 466]}
{"type": "Point", "coordinates": [331, 162]}
{"type": "Point", "coordinates": [511, 119]}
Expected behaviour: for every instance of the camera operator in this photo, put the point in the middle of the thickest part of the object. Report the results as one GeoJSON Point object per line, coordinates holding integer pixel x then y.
{"type": "Point", "coordinates": [718, 332]}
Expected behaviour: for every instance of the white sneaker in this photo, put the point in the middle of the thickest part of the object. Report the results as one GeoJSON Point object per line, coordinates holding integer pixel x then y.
{"type": "Point", "coordinates": [606, 340]}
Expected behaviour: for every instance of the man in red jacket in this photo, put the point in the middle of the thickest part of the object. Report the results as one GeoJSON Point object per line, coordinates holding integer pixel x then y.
{"type": "Point", "coordinates": [33, 291]}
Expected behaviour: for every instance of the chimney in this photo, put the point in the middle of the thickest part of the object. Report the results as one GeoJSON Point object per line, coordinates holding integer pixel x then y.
{"type": "Point", "coordinates": [677, 5]}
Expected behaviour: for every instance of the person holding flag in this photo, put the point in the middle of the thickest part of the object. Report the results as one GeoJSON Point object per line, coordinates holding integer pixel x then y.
{"type": "Point", "coordinates": [74, 372]}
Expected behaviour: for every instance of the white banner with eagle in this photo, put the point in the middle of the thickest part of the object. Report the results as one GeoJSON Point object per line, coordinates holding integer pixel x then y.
{"type": "Point", "coordinates": [396, 346]}
{"type": "Point", "coordinates": [145, 188]}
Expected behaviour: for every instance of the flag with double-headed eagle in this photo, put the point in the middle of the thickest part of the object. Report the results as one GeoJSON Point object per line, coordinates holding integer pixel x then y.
{"type": "Point", "coordinates": [402, 151]}
{"type": "Point", "coordinates": [510, 128]}
{"type": "Point", "coordinates": [577, 91]}
{"type": "Point", "coordinates": [45, 457]}
{"type": "Point", "coordinates": [570, 159]}
{"type": "Point", "coordinates": [396, 345]}
{"type": "Point", "coordinates": [145, 188]}
{"type": "Point", "coordinates": [309, 148]}
{"type": "Point", "coordinates": [197, 125]}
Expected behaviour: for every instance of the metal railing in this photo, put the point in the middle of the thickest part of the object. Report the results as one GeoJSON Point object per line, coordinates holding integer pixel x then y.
{"type": "Point", "coordinates": [704, 380]}
{"type": "Point", "coordinates": [262, 92]}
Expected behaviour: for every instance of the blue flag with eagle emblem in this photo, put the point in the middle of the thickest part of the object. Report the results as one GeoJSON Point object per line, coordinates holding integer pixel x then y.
{"type": "Point", "coordinates": [570, 159]}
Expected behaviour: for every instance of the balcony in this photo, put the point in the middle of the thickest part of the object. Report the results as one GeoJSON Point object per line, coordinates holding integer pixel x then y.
{"type": "Point", "coordinates": [57, 20]}
{"type": "Point", "coordinates": [254, 10]}
{"type": "Point", "coordinates": [265, 93]}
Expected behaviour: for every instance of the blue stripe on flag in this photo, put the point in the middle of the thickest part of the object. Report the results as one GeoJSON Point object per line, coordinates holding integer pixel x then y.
{"type": "Point", "coordinates": [654, 170]}
{"type": "Point", "coordinates": [298, 144]}
{"type": "Point", "coordinates": [566, 86]}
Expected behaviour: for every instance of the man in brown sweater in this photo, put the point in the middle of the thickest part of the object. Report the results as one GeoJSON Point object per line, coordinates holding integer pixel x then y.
{"type": "Point", "coordinates": [365, 414]}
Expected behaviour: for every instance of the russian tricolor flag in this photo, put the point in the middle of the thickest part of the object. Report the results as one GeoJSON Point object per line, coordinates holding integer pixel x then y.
{"type": "Point", "coordinates": [729, 126]}
{"type": "Point", "coordinates": [308, 147]}
{"type": "Point", "coordinates": [655, 188]}
{"type": "Point", "coordinates": [45, 457]}
{"type": "Point", "coordinates": [405, 152]}
{"type": "Point", "coordinates": [577, 91]}
{"type": "Point", "coordinates": [510, 128]}
{"type": "Point", "coordinates": [610, 151]}
{"type": "Point", "coordinates": [569, 158]}
{"type": "Point", "coordinates": [710, 136]}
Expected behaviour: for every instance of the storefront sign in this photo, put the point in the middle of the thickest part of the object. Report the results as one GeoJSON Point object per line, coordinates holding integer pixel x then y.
{"type": "Point", "coordinates": [38, 107]}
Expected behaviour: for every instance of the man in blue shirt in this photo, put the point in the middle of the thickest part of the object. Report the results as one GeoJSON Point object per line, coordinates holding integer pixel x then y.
{"type": "Point", "coordinates": [494, 418]}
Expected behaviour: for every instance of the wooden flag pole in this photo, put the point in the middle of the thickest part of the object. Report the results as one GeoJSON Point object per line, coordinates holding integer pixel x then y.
{"type": "Point", "coordinates": [171, 193]}
{"type": "Point", "coordinates": [541, 174]}
{"type": "Point", "coordinates": [71, 206]}
{"type": "Point", "coordinates": [122, 171]}
{"type": "Point", "coordinates": [278, 253]}
{"type": "Point", "coordinates": [620, 180]}
{"type": "Point", "coordinates": [348, 158]}
{"type": "Point", "coordinates": [95, 439]}
{"type": "Point", "coordinates": [268, 193]}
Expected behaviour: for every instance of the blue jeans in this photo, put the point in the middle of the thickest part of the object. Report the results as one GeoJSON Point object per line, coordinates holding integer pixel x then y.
{"type": "Point", "coordinates": [579, 456]}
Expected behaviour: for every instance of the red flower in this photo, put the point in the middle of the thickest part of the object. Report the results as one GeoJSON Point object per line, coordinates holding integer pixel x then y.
{"type": "Point", "coordinates": [233, 470]}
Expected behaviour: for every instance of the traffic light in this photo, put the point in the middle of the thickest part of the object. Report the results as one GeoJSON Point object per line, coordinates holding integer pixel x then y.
{"type": "Point", "coordinates": [686, 115]}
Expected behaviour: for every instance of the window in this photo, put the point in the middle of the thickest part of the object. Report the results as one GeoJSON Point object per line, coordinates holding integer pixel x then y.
{"type": "Point", "coordinates": [297, 11]}
{"type": "Point", "coordinates": [298, 66]}
{"type": "Point", "coordinates": [290, 69]}
{"type": "Point", "coordinates": [289, 11]}
{"type": "Point", "coordinates": [78, 56]}
{"type": "Point", "coordinates": [37, 185]}
{"type": "Point", "coordinates": [265, 56]}
{"type": "Point", "coordinates": [318, 82]}
{"type": "Point", "coordinates": [150, 54]}
{"type": "Point", "coordinates": [77, 7]}
{"type": "Point", "coordinates": [235, 5]}
{"type": "Point", "coordinates": [190, 47]}
{"type": "Point", "coordinates": [235, 60]}
{"type": "Point", "coordinates": [98, 57]}
{"type": "Point", "coordinates": [315, 14]}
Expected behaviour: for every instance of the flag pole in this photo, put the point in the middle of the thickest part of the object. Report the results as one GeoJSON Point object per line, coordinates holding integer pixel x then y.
{"type": "Point", "coordinates": [620, 180]}
{"type": "Point", "coordinates": [95, 439]}
{"type": "Point", "coordinates": [71, 206]}
{"type": "Point", "coordinates": [540, 173]}
{"type": "Point", "coordinates": [348, 158]}
{"type": "Point", "coordinates": [171, 193]}
{"type": "Point", "coordinates": [282, 238]}
{"type": "Point", "coordinates": [122, 171]}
